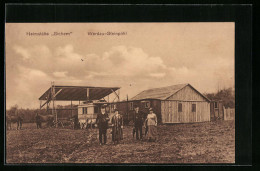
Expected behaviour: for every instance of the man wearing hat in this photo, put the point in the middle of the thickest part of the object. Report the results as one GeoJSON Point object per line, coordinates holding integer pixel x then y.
{"type": "Point", "coordinates": [117, 127]}
{"type": "Point", "coordinates": [138, 122]}
{"type": "Point", "coordinates": [102, 121]}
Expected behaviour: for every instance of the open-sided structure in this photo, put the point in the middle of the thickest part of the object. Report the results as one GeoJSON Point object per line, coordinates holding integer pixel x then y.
{"type": "Point", "coordinates": [76, 93]}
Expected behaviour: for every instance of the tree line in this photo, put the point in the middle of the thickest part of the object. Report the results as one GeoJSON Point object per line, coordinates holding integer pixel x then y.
{"type": "Point", "coordinates": [226, 95]}
{"type": "Point", "coordinates": [28, 115]}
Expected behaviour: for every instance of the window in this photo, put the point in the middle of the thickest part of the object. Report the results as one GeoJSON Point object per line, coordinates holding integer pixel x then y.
{"type": "Point", "coordinates": [131, 105]}
{"type": "Point", "coordinates": [80, 110]}
{"type": "Point", "coordinates": [179, 107]}
{"type": "Point", "coordinates": [216, 104]}
{"type": "Point", "coordinates": [193, 108]}
{"type": "Point", "coordinates": [147, 105]}
{"type": "Point", "coordinates": [85, 110]}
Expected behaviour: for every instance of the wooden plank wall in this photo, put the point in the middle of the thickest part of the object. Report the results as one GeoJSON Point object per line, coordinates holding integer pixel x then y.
{"type": "Point", "coordinates": [229, 114]}
{"type": "Point", "coordinates": [170, 114]}
{"type": "Point", "coordinates": [188, 94]}
{"type": "Point", "coordinates": [221, 111]}
{"type": "Point", "coordinates": [216, 112]}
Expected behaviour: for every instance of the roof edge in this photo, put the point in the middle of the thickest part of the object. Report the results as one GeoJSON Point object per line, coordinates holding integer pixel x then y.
{"type": "Point", "coordinates": [193, 89]}
{"type": "Point", "coordinates": [90, 87]}
{"type": "Point", "coordinates": [199, 93]}
{"type": "Point", "coordinates": [185, 85]}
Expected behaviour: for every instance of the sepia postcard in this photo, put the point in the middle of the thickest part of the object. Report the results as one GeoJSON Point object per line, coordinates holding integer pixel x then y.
{"type": "Point", "coordinates": [118, 92]}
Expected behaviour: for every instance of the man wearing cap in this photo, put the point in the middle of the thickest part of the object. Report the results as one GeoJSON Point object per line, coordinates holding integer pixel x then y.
{"type": "Point", "coordinates": [138, 122]}
{"type": "Point", "coordinates": [102, 121]}
{"type": "Point", "coordinates": [117, 127]}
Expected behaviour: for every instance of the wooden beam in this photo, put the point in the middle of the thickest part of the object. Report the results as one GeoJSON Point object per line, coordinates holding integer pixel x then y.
{"type": "Point", "coordinates": [118, 95]}
{"type": "Point", "coordinates": [114, 99]}
{"type": "Point", "coordinates": [115, 93]}
{"type": "Point", "coordinates": [57, 92]}
{"type": "Point", "coordinates": [65, 109]}
{"type": "Point", "coordinates": [47, 101]}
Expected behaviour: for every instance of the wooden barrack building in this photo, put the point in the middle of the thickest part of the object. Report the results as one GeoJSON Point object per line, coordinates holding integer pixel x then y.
{"type": "Point", "coordinates": [174, 104]}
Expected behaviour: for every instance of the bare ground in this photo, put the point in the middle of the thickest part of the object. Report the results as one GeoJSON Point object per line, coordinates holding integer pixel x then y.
{"type": "Point", "coordinates": [209, 142]}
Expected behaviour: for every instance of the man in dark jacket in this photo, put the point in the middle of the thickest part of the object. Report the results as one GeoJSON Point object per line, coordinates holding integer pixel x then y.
{"type": "Point", "coordinates": [76, 122]}
{"type": "Point", "coordinates": [102, 121]}
{"type": "Point", "coordinates": [138, 123]}
{"type": "Point", "coordinates": [38, 121]}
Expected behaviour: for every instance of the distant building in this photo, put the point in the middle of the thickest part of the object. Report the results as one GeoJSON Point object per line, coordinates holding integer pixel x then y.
{"type": "Point", "coordinates": [216, 110]}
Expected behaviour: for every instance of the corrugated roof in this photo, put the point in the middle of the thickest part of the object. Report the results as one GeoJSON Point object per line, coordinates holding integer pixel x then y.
{"type": "Point", "coordinates": [159, 93]}
{"type": "Point", "coordinates": [78, 93]}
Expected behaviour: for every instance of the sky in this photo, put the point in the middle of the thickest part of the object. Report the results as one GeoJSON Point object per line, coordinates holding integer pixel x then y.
{"type": "Point", "coordinates": [146, 55]}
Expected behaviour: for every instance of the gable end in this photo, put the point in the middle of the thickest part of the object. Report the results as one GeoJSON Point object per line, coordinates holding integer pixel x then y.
{"type": "Point", "coordinates": [188, 93]}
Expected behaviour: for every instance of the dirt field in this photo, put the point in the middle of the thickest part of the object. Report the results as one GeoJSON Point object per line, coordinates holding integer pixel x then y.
{"type": "Point", "coordinates": [211, 142]}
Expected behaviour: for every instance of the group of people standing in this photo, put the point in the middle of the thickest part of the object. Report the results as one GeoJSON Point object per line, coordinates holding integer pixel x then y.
{"type": "Point", "coordinates": [117, 126]}
{"type": "Point", "coordinates": [149, 122]}
{"type": "Point", "coordinates": [140, 120]}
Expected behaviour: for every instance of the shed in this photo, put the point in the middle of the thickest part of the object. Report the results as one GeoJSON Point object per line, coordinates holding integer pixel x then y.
{"type": "Point", "coordinates": [216, 110]}
{"type": "Point", "coordinates": [180, 103]}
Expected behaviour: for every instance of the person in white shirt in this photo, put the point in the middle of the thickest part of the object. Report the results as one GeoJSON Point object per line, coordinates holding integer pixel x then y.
{"type": "Point", "coordinates": [151, 122]}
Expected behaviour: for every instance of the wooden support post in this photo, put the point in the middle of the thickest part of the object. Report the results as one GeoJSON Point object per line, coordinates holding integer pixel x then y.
{"type": "Point", "coordinates": [40, 104]}
{"type": "Point", "coordinates": [52, 107]}
{"type": "Point", "coordinates": [53, 103]}
{"type": "Point", "coordinates": [87, 94]}
{"type": "Point", "coordinates": [71, 107]}
{"type": "Point", "coordinates": [118, 95]}
{"type": "Point", "coordinates": [127, 111]}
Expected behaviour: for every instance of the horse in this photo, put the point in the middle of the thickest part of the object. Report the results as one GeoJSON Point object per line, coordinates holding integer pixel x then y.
{"type": "Point", "coordinates": [14, 119]}
{"type": "Point", "coordinates": [44, 118]}
{"type": "Point", "coordinates": [82, 123]}
{"type": "Point", "coordinates": [87, 123]}
{"type": "Point", "coordinates": [91, 123]}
